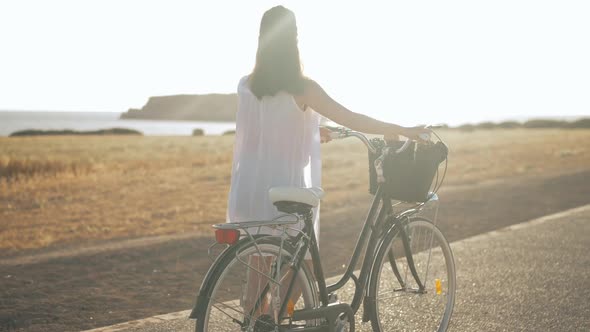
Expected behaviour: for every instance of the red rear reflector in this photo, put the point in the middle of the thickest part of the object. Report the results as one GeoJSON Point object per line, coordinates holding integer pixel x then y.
{"type": "Point", "coordinates": [227, 236]}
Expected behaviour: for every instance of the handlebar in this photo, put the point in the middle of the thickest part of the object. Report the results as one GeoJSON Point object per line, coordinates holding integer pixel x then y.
{"type": "Point", "coordinates": [378, 163]}
{"type": "Point", "coordinates": [341, 132]}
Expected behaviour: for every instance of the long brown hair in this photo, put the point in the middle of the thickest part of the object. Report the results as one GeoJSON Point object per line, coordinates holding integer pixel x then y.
{"type": "Point", "coordinates": [278, 67]}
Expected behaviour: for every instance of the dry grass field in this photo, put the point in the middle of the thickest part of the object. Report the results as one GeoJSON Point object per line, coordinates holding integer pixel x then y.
{"type": "Point", "coordinates": [72, 190]}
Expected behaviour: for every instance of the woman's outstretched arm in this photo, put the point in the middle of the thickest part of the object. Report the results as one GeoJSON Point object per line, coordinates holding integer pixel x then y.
{"type": "Point", "coordinates": [315, 97]}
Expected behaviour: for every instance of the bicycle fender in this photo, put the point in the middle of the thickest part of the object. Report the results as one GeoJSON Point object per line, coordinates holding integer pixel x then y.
{"type": "Point", "coordinates": [386, 239]}
{"type": "Point", "coordinates": [206, 285]}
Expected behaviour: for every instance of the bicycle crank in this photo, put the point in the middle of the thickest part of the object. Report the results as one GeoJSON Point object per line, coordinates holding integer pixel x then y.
{"type": "Point", "coordinates": [339, 317]}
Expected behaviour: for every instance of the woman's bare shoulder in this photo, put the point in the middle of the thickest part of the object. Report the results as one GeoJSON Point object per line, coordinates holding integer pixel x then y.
{"type": "Point", "coordinates": [310, 85]}
{"type": "Point", "coordinates": [303, 98]}
{"type": "Point", "coordinates": [311, 90]}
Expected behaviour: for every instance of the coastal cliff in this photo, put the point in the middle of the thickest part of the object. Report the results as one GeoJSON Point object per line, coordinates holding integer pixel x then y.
{"type": "Point", "coordinates": [210, 107]}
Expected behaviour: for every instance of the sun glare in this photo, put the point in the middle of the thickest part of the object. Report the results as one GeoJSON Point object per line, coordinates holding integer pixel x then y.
{"type": "Point", "coordinates": [431, 61]}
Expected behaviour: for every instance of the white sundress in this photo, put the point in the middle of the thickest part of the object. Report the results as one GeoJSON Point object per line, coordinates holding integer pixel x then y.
{"type": "Point", "coordinates": [276, 144]}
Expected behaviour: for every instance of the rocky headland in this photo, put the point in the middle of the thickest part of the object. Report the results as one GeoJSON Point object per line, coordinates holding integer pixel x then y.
{"type": "Point", "coordinates": [209, 107]}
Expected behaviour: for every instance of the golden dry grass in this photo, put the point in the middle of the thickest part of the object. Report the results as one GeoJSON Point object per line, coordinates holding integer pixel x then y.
{"type": "Point", "coordinates": [136, 186]}
{"type": "Point", "coordinates": [15, 169]}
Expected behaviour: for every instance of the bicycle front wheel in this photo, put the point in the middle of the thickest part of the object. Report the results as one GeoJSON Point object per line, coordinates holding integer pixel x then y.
{"type": "Point", "coordinates": [419, 300]}
{"type": "Point", "coordinates": [247, 286]}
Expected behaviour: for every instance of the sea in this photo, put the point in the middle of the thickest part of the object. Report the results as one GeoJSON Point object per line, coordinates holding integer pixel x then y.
{"type": "Point", "coordinates": [11, 121]}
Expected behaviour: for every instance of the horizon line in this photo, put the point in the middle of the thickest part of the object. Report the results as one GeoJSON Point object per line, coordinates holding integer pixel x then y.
{"type": "Point", "coordinates": [519, 119]}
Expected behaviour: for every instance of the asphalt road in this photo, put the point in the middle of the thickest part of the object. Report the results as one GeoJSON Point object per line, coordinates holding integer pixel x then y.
{"type": "Point", "coordinates": [533, 276]}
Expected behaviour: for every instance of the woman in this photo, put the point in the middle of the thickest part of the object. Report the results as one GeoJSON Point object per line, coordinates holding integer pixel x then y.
{"type": "Point", "coordinates": [277, 140]}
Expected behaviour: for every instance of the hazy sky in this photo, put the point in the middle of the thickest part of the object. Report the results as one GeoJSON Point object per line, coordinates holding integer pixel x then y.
{"type": "Point", "coordinates": [403, 61]}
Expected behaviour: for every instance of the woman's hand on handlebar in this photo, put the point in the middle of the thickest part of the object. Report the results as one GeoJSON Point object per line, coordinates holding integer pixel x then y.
{"type": "Point", "coordinates": [418, 133]}
{"type": "Point", "coordinates": [325, 135]}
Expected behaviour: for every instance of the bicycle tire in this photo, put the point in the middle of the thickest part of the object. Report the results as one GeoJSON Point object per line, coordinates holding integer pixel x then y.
{"type": "Point", "coordinates": [394, 307]}
{"type": "Point", "coordinates": [229, 283]}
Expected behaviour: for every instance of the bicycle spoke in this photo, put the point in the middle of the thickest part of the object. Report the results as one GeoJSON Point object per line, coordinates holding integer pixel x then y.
{"type": "Point", "coordinates": [397, 296]}
{"type": "Point", "coordinates": [228, 315]}
{"type": "Point", "coordinates": [427, 292]}
{"type": "Point", "coordinates": [245, 291]}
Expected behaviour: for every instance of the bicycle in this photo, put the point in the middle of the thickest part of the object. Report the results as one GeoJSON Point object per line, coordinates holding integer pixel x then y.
{"type": "Point", "coordinates": [406, 281]}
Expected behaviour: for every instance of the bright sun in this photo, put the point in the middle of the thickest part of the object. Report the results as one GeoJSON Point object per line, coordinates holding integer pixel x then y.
{"type": "Point", "coordinates": [408, 62]}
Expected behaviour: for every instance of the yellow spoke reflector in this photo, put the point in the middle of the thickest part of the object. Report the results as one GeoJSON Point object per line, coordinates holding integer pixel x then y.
{"type": "Point", "coordinates": [438, 286]}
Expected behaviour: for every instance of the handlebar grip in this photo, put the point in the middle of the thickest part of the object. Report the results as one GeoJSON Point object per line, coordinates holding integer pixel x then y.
{"type": "Point", "coordinates": [332, 128]}
{"type": "Point", "coordinates": [435, 126]}
{"type": "Point", "coordinates": [334, 135]}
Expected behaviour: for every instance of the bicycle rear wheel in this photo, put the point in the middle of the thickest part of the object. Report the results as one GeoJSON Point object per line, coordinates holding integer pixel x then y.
{"type": "Point", "coordinates": [245, 288]}
{"type": "Point", "coordinates": [400, 303]}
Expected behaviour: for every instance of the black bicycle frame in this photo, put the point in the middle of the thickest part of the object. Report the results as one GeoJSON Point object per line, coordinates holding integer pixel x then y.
{"type": "Point", "coordinates": [373, 229]}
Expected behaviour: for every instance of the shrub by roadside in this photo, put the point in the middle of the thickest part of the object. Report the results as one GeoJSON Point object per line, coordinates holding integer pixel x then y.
{"type": "Point", "coordinates": [540, 123]}
{"type": "Point", "coordinates": [531, 124]}
{"type": "Point", "coordinates": [509, 125]}
{"type": "Point", "coordinates": [582, 123]}
{"type": "Point", "coordinates": [110, 131]}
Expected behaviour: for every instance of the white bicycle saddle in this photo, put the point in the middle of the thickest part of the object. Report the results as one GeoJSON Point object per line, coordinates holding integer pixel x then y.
{"type": "Point", "coordinates": [309, 196]}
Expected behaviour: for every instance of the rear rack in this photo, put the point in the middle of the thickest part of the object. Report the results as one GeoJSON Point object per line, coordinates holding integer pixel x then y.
{"type": "Point", "coordinates": [258, 223]}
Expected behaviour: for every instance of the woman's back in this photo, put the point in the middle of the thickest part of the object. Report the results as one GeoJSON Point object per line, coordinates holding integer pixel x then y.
{"type": "Point", "coordinates": [276, 144]}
